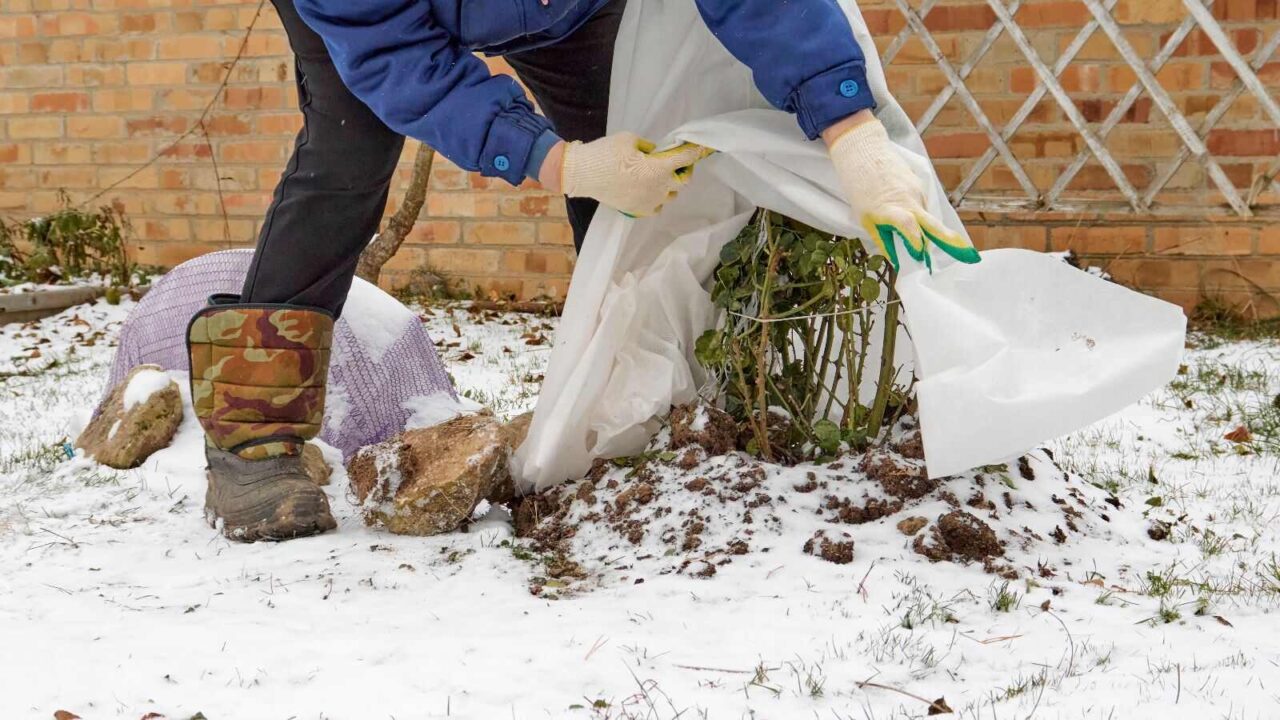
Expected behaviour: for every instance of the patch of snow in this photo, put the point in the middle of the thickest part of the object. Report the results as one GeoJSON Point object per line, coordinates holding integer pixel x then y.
{"type": "Point", "coordinates": [377, 319]}
{"type": "Point", "coordinates": [119, 570]}
{"type": "Point", "coordinates": [115, 427]}
{"type": "Point", "coordinates": [336, 406]}
{"type": "Point", "coordinates": [143, 385]}
{"type": "Point", "coordinates": [428, 410]}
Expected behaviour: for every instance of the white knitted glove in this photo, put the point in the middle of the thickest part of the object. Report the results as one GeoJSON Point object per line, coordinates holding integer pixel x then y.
{"type": "Point", "coordinates": [623, 171]}
{"type": "Point", "coordinates": [887, 198]}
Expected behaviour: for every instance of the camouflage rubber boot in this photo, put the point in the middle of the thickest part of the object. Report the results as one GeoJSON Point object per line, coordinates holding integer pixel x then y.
{"type": "Point", "coordinates": [258, 377]}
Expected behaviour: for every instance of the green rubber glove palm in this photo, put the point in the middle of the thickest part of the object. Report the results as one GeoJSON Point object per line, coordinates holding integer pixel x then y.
{"type": "Point", "coordinates": [887, 198]}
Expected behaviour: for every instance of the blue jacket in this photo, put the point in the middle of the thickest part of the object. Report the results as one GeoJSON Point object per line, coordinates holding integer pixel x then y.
{"type": "Point", "coordinates": [411, 62]}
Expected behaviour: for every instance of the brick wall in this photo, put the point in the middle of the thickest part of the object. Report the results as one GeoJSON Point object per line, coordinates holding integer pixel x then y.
{"type": "Point", "coordinates": [91, 90]}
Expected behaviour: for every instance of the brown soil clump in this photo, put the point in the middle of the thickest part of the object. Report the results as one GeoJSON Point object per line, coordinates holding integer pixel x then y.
{"type": "Point", "coordinates": [707, 427]}
{"type": "Point", "coordinates": [958, 535]}
{"type": "Point", "coordinates": [898, 478]}
{"type": "Point", "coordinates": [912, 525]}
{"type": "Point", "coordinates": [839, 552]}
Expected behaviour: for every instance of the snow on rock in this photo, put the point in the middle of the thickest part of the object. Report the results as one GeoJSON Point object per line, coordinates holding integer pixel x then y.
{"type": "Point", "coordinates": [428, 410]}
{"type": "Point", "coordinates": [144, 382]}
{"type": "Point", "coordinates": [138, 417]}
{"type": "Point", "coordinates": [430, 480]}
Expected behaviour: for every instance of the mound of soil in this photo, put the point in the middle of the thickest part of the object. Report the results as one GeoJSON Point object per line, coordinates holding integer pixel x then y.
{"type": "Point", "coordinates": [692, 504]}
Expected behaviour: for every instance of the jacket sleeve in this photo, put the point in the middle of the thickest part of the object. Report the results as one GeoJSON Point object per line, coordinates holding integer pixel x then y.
{"type": "Point", "coordinates": [801, 52]}
{"type": "Point", "coordinates": [421, 83]}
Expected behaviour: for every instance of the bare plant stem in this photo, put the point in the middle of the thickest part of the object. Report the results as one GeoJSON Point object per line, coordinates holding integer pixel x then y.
{"type": "Point", "coordinates": [387, 242]}
{"type": "Point", "coordinates": [762, 351]}
{"type": "Point", "coordinates": [887, 350]}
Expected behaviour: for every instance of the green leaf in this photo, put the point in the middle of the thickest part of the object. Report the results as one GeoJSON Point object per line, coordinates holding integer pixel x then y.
{"type": "Point", "coordinates": [827, 435]}
{"type": "Point", "coordinates": [869, 289]}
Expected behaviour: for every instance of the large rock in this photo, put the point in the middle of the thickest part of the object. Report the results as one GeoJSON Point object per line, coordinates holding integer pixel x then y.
{"type": "Point", "coordinates": [314, 464]}
{"type": "Point", "coordinates": [429, 480]}
{"type": "Point", "coordinates": [139, 417]}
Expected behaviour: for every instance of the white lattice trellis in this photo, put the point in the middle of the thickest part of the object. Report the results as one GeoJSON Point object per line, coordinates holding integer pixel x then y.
{"type": "Point", "coordinates": [1192, 139]}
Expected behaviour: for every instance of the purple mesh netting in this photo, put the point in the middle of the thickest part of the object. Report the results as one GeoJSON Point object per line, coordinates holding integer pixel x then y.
{"type": "Point", "coordinates": [382, 357]}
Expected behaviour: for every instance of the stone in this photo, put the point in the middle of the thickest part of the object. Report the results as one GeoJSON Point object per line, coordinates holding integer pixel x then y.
{"type": "Point", "coordinates": [139, 416]}
{"type": "Point", "coordinates": [314, 464]}
{"type": "Point", "coordinates": [513, 434]}
{"type": "Point", "coordinates": [429, 481]}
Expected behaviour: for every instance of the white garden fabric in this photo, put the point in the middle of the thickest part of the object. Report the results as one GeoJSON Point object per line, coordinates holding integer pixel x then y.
{"type": "Point", "coordinates": [1010, 352]}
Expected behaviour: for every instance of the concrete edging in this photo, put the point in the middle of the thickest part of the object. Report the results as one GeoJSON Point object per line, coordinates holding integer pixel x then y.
{"type": "Point", "coordinates": [28, 306]}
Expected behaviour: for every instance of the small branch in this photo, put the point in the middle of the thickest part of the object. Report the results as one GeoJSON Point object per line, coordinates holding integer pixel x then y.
{"type": "Point", "coordinates": [217, 180]}
{"type": "Point", "coordinates": [888, 349]}
{"type": "Point", "coordinates": [386, 243]}
{"type": "Point", "coordinates": [199, 125]}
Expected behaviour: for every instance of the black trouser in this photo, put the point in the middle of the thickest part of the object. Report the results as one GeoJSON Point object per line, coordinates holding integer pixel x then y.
{"type": "Point", "coordinates": [330, 200]}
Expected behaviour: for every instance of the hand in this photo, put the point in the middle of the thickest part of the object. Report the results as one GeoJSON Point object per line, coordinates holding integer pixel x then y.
{"type": "Point", "coordinates": [622, 171]}
{"type": "Point", "coordinates": [887, 198]}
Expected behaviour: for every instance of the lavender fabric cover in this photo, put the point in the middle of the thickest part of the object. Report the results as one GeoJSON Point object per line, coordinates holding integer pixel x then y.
{"type": "Point", "coordinates": [384, 369]}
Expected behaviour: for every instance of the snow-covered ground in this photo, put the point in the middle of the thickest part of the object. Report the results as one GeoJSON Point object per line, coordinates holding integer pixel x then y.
{"type": "Point", "coordinates": [116, 600]}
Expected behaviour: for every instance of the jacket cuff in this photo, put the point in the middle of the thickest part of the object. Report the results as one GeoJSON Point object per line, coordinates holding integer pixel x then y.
{"type": "Point", "coordinates": [541, 147]}
{"type": "Point", "coordinates": [830, 96]}
{"type": "Point", "coordinates": [510, 143]}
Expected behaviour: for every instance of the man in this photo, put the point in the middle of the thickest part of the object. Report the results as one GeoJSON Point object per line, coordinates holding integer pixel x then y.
{"type": "Point", "coordinates": [373, 71]}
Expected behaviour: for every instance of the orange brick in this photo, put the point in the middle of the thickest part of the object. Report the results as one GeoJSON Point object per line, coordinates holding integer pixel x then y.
{"type": "Point", "coordinates": [499, 233]}
{"type": "Point", "coordinates": [62, 153]}
{"type": "Point", "coordinates": [35, 127]}
{"type": "Point", "coordinates": [558, 262]}
{"type": "Point", "coordinates": [19, 26]}
{"type": "Point", "coordinates": [463, 260]}
{"type": "Point", "coordinates": [1150, 273]}
{"type": "Point", "coordinates": [1094, 240]}
{"type": "Point", "coordinates": [59, 102]}
{"type": "Point", "coordinates": [40, 77]}
{"type": "Point", "coordinates": [189, 47]}
{"type": "Point", "coordinates": [1052, 14]}
{"type": "Point", "coordinates": [119, 152]}
{"type": "Point", "coordinates": [549, 287]}
{"type": "Point", "coordinates": [555, 233]}
{"type": "Point", "coordinates": [157, 73]}
{"type": "Point", "coordinates": [124, 177]}
{"type": "Point", "coordinates": [529, 205]}
{"type": "Point", "coordinates": [1259, 143]}
{"type": "Point", "coordinates": [950, 17]}
{"type": "Point", "coordinates": [253, 151]}
{"type": "Point", "coordinates": [1269, 239]}
{"type": "Point", "coordinates": [14, 153]}
{"type": "Point", "coordinates": [116, 100]}
{"type": "Point", "coordinates": [1204, 240]}
{"type": "Point", "coordinates": [69, 177]}
{"type": "Point", "coordinates": [14, 103]}
{"type": "Point", "coordinates": [990, 237]}
{"type": "Point", "coordinates": [434, 232]}
{"type": "Point", "coordinates": [448, 204]}
{"type": "Point", "coordinates": [95, 126]}
{"type": "Point", "coordinates": [956, 145]}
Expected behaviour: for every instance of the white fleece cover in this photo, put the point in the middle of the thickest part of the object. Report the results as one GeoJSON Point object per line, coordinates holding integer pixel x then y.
{"type": "Point", "coordinates": [1010, 352]}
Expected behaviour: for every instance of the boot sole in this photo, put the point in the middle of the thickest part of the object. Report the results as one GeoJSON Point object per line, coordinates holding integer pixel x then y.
{"type": "Point", "coordinates": [301, 518]}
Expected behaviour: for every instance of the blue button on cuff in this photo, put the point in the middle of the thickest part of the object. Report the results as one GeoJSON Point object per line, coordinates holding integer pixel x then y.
{"type": "Point", "coordinates": [849, 88]}
{"type": "Point", "coordinates": [501, 163]}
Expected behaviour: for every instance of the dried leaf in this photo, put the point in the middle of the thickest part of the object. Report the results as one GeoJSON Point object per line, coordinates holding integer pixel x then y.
{"type": "Point", "coordinates": [1045, 606]}
{"type": "Point", "coordinates": [64, 715]}
{"type": "Point", "coordinates": [939, 707]}
{"type": "Point", "coordinates": [1222, 620]}
{"type": "Point", "coordinates": [1240, 435]}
